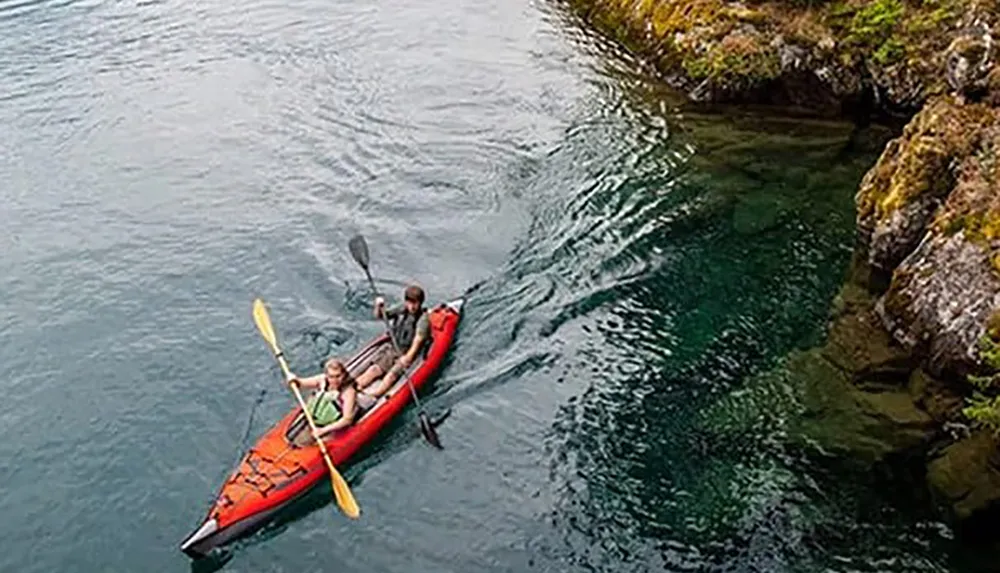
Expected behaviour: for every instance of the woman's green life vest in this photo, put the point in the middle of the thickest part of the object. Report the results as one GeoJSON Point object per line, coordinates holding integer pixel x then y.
{"type": "Point", "coordinates": [324, 408]}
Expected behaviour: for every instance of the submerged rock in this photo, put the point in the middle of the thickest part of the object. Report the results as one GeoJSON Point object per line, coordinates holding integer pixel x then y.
{"type": "Point", "coordinates": [856, 392]}
{"type": "Point", "coordinates": [936, 397]}
{"type": "Point", "coordinates": [966, 476]}
{"type": "Point", "coordinates": [844, 419]}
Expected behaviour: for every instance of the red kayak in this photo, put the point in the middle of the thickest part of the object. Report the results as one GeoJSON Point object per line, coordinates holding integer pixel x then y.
{"type": "Point", "coordinates": [285, 462]}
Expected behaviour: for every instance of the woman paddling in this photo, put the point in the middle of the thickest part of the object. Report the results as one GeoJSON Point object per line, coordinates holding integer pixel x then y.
{"type": "Point", "coordinates": [334, 404]}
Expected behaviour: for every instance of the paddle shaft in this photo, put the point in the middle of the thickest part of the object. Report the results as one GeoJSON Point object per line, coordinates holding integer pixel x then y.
{"type": "Point", "coordinates": [305, 410]}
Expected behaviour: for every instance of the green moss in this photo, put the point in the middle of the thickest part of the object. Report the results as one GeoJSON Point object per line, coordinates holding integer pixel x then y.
{"type": "Point", "coordinates": [983, 407]}
{"type": "Point", "coordinates": [873, 24]}
{"type": "Point", "coordinates": [980, 227]}
{"type": "Point", "coordinates": [935, 15]}
{"type": "Point", "coordinates": [890, 51]}
{"type": "Point", "coordinates": [737, 58]}
{"type": "Point", "coordinates": [868, 31]}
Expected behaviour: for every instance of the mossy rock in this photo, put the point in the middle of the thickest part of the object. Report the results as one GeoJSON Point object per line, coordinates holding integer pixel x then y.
{"type": "Point", "coordinates": [764, 50]}
{"type": "Point", "coordinates": [842, 419]}
{"type": "Point", "coordinates": [938, 398]}
{"type": "Point", "coordinates": [973, 207]}
{"type": "Point", "coordinates": [965, 475]}
{"type": "Point", "coordinates": [918, 162]}
{"type": "Point", "coordinates": [859, 346]}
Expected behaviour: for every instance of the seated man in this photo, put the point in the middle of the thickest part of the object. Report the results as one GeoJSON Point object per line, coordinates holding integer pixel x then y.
{"type": "Point", "coordinates": [410, 328]}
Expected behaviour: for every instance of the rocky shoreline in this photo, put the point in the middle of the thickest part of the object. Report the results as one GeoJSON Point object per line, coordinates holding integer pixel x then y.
{"type": "Point", "coordinates": [836, 58]}
{"type": "Point", "coordinates": [923, 293]}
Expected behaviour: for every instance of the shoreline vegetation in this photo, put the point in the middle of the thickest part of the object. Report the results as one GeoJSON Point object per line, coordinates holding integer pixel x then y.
{"type": "Point", "coordinates": [911, 365]}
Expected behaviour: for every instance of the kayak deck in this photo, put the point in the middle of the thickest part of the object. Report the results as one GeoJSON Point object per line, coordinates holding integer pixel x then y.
{"type": "Point", "coordinates": [285, 462]}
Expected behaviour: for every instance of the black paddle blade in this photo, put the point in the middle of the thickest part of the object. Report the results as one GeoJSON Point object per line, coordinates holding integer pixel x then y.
{"type": "Point", "coordinates": [444, 416]}
{"type": "Point", "coordinates": [359, 250]}
{"type": "Point", "coordinates": [427, 429]}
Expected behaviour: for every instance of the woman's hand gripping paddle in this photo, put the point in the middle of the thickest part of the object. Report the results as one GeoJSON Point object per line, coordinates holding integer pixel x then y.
{"type": "Point", "coordinates": [359, 250]}
{"type": "Point", "coordinates": [345, 499]}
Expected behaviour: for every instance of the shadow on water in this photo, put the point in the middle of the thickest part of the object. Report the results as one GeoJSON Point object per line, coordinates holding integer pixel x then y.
{"type": "Point", "coordinates": [317, 498]}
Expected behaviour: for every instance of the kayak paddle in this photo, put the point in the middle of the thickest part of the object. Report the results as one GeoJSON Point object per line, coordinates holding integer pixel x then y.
{"type": "Point", "coordinates": [359, 250]}
{"type": "Point", "coordinates": [345, 499]}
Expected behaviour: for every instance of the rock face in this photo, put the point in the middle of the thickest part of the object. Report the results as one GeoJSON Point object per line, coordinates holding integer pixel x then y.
{"type": "Point", "coordinates": [901, 193]}
{"type": "Point", "coordinates": [966, 475]}
{"type": "Point", "coordinates": [940, 301]}
{"type": "Point", "coordinates": [929, 216]}
{"type": "Point", "coordinates": [826, 56]}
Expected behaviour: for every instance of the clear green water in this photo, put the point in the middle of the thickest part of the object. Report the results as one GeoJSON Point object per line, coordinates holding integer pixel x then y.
{"type": "Point", "coordinates": [628, 267]}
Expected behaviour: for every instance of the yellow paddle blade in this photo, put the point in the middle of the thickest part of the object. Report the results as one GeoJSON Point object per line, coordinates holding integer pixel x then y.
{"type": "Point", "coordinates": [345, 499]}
{"type": "Point", "coordinates": [341, 491]}
{"type": "Point", "coordinates": [263, 321]}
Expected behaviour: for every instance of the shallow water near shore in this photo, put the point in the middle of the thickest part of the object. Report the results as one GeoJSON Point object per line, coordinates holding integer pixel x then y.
{"type": "Point", "coordinates": [628, 266]}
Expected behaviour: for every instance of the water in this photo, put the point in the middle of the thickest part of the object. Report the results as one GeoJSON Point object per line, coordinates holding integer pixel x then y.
{"type": "Point", "coordinates": [628, 264]}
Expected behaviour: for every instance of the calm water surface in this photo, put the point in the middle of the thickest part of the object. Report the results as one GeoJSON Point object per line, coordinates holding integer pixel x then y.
{"type": "Point", "coordinates": [628, 266]}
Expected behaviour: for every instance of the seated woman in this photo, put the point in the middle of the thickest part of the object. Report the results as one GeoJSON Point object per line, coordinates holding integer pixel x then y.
{"type": "Point", "coordinates": [333, 406]}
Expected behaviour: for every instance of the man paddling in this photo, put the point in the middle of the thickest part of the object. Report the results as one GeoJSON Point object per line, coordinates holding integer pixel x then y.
{"type": "Point", "coordinates": [410, 328]}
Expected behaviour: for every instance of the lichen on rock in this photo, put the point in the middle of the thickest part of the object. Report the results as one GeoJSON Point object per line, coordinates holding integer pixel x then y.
{"type": "Point", "coordinates": [940, 300]}
{"type": "Point", "coordinates": [899, 196]}
{"type": "Point", "coordinates": [973, 206]}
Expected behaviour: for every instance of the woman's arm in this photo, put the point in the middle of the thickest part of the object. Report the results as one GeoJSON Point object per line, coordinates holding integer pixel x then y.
{"type": "Point", "coordinates": [309, 381]}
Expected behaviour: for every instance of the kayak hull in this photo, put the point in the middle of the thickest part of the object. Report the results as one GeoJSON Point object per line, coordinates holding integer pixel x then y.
{"type": "Point", "coordinates": [285, 462]}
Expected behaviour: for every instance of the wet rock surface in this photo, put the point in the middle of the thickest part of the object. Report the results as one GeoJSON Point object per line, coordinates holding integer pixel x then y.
{"type": "Point", "coordinates": [965, 476]}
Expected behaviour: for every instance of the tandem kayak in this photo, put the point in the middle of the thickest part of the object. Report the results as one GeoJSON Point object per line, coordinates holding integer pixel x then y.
{"type": "Point", "coordinates": [285, 462]}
